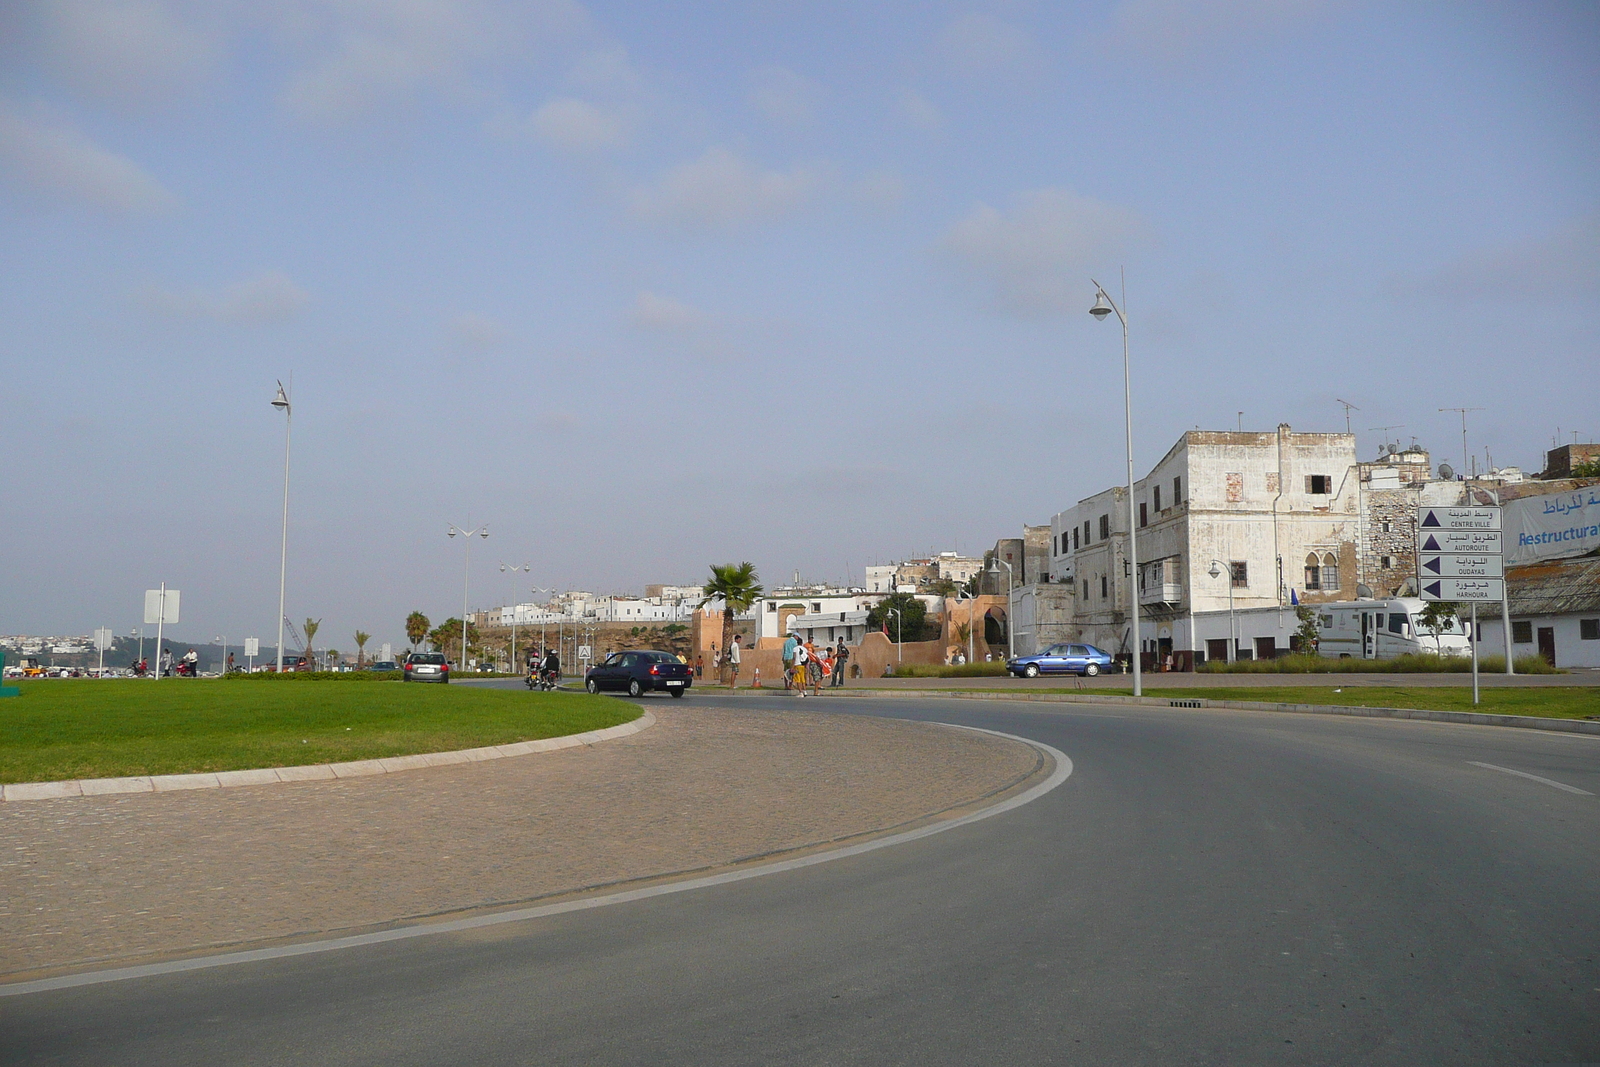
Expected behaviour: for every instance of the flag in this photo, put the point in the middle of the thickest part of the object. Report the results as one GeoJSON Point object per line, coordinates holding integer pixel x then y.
{"type": "Point", "coordinates": [1294, 598]}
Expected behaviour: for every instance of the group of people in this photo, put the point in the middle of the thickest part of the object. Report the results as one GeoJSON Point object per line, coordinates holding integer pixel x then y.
{"type": "Point", "coordinates": [547, 663]}
{"type": "Point", "coordinates": [805, 664]}
{"type": "Point", "coordinates": [186, 666]}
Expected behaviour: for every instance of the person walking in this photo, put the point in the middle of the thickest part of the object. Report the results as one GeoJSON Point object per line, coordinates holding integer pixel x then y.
{"type": "Point", "coordinates": [733, 663]}
{"type": "Point", "coordinates": [191, 663]}
{"type": "Point", "coordinates": [166, 662]}
{"type": "Point", "coordinates": [800, 667]}
{"type": "Point", "coordinates": [789, 644]}
{"type": "Point", "coordinates": [700, 666]}
{"type": "Point", "coordinates": [841, 659]}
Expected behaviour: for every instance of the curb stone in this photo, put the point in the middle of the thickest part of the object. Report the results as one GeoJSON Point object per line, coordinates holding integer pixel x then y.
{"type": "Point", "coordinates": [1470, 718]}
{"type": "Point", "coordinates": [165, 783]}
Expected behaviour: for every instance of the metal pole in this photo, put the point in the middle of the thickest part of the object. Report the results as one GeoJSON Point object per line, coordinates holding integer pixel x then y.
{"type": "Point", "coordinates": [161, 619]}
{"type": "Point", "coordinates": [283, 551]}
{"type": "Point", "coordinates": [1474, 652]}
{"type": "Point", "coordinates": [1133, 541]}
{"type": "Point", "coordinates": [465, 577]}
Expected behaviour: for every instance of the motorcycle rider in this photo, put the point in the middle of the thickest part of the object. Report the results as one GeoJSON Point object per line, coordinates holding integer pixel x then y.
{"type": "Point", "coordinates": [550, 669]}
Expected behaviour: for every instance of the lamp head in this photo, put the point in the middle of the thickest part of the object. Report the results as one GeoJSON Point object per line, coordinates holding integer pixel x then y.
{"type": "Point", "coordinates": [1102, 307]}
{"type": "Point", "coordinates": [281, 401]}
{"type": "Point", "coordinates": [452, 531]}
{"type": "Point", "coordinates": [1216, 571]}
{"type": "Point", "coordinates": [484, 533]}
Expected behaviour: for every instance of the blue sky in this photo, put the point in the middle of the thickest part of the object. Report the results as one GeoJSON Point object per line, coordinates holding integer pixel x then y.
{"type": "Point", "coordinates": [646, 286]}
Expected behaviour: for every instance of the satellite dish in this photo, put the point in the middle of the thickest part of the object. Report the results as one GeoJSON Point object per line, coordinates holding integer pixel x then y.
{"type": "Point", "coordinates": [1447, 472]}
{"type": "Point", "coordinates": [1407, 588]}
{"type": "Point", "coordinates": [1363, 592]}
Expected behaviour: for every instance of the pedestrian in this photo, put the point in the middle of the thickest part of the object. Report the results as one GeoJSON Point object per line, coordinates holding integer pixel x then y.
{"type": "Point", "coordinates": [733, 663]}
{"type": "Point", "coordinates": [230, 663]}
{"type": "Point", "coordinates": [700, 666]}
{"type": "Point", "coordinates": [789, 644]}
{"type": "Point", "coordinates": [166, 662]}
{"type": "Point", "coordinates": [716, 659]}
{"type": "Point", "coordinates": [800, 667]}
{"type": "Point", "coordinates": [191, 663]}
{"type": "Point", "coordinates": [841, 657]}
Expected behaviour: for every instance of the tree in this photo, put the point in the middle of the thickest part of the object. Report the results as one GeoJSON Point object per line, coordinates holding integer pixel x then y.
{"type": "Point", "coordinates": [738, 587]}
{"type": "Point", "coordinates": [416, 628]}
{"type": "Point", "coordinates": [448, 633]}
{"type": "Point", "coordinates": [907, 626]}
{"type": "Point", "coordinates": [1590, 469]}
{"type": "Point", "coordinates": [1308, 633]}
{"type": "Point", "coordinates": [361, 647]}
{"type": "Point", "coordinates": [943, 587]}
{"type": "Point", "coordinates": [312, 625]}
{"type": "Point", "coordinates": [1439, 616]}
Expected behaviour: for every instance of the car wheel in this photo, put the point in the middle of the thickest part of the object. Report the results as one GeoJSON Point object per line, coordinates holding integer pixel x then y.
{"type": "Point", "coordinates": [592, 686]}
{"type": "Point", "coordinates": [634, 688]}
{"type": "Point", "coordinates": [1031, 670]}
{"type": "Point", "coordinates": [677, 694]}
{"type": "Point", "coordinates": [1091, 670]}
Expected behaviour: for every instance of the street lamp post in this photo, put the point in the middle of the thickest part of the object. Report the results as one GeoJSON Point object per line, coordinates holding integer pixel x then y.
{"type": "Point", "coordinates": [514, 569]}
{"type": "Point", "coordinates": [1103, 306]}
{"type": "Point", "coordinates": [899, 634]}
{"type": "Point", "coordinates": [1010, 584]}
{"type": "Point", "coordinates": [466, 576]}
{"type": "Point", "coordinates": [1217, 568]}
{"type": "Point", "coordinates": [224, 671]}
{"type": "Point", "coordinates": [281, 402]}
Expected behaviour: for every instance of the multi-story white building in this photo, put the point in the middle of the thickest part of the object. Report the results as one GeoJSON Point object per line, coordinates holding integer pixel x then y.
{"type": "Point", "coordinates": [1281, 516]}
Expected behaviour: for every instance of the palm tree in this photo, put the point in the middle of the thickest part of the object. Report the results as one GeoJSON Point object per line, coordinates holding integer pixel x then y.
{"type": "Point", "coordinates": [417, 627]}
{"type": "Point", "coordinates": [312, 625]}
{"type": "Point", "coordinates": [738, 587]}
{"type": "Point", "coordinates": [361, 647]}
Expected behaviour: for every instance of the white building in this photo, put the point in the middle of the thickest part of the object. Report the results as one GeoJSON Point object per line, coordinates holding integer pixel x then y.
{"type": "Point", "coordinates": [831, 627]}
{"type": "Point", "coordinates": [775, 612]}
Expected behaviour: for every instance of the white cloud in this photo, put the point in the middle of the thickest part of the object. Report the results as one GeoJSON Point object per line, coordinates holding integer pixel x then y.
{"type": "Point", "coordinates": [1563, 263]}
{"type": "Point", "coordinates": [660, 314]}
{"type": "Point", "coordinates": [1036, 256]}
{"type": "Point", "coordinates": [978, 44]}
{"type": "Point", "coordinates": [268, 297]}
{"type": "Point", "coordinates": [784, 96]}
{"type": "Point", "coordinates": [124, 51]}
{"type": "Point", "coordinates": [40, 151]}
{"type": "Point", "coordinates": [579, 126]}
{"type": "Point", "coordinates": [919, 111]}
{"type": "Point", "coordinates": [1170, 27]}
{"type": "Point", "coordinates": [721, 190]}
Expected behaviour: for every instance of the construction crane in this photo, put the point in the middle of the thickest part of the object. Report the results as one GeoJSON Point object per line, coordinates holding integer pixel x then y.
{"type": "Point", "coordinates": [299, 641]}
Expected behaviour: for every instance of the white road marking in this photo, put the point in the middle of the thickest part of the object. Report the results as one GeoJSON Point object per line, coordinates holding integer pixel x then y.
{"type": "Point", "coordinates": [1062, 772]}
{"type": "Point", "coordinates": [1533, 778]}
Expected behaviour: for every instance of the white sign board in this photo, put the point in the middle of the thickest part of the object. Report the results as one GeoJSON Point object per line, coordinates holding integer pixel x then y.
{"type": "Point", "coordinates": [583, 651]}
{"type": "Point", "coordinates": [102, 639]}
{"type": "Point", "coordinates": [1552, 526]}
{"type": "Point", "coordinates": [1468, 541]}
{"type": "Point", "coordinates": [1464, 590]}
{"type": "Point", "coordinates": [252, 647]}
{"type": "Point", "coordinates": [160, 606]}
{"type": "Point", "coordinates": [1429, 519]}
{"type": "Point", "coordinates": [1462, 565]}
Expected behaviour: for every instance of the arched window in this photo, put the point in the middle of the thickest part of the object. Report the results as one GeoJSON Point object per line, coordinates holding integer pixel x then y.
{"type": "Point", "coordinates": [1330, 571]}
{"type": "Point", "coordinates": [1313, 573]}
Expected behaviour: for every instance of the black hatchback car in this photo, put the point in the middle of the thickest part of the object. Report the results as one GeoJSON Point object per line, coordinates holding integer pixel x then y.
{"type": "Point", "coordinates": [637, 673]}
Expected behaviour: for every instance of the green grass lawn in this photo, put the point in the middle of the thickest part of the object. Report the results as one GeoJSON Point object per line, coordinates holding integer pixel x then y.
{"type": "Point", "coordinates": [1555, 702]}
{"type": "Point", "coordinates": [60, 729]}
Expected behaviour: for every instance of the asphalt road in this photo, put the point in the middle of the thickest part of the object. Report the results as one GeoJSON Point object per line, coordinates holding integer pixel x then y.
{"type": "Point", "coordinates": [1208, 887]}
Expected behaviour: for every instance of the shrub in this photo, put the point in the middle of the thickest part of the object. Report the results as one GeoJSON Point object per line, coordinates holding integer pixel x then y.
{"type": "Point", "coordinates": [964, 670]}
{"type": "Point", "coordinates": [1422, 663]}
{"type": "Point", "coordinates": [317, 676]}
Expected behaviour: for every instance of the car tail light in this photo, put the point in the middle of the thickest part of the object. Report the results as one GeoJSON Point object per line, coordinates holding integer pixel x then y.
{"type": "Point", "coordinates": [655, 670]}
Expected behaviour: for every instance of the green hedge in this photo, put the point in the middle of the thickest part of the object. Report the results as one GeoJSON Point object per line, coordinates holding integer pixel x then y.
{"type": "Point", "coordinates": [1425, 663]}
{"type": "Point", "coordinates": [964, 670]}
{"type": "Point", "coordinates": [317, 676]}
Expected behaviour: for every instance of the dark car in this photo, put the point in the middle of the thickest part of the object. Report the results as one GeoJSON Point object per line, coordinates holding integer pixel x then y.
{"type": "Point", "coordinates": [427, 667]}
{"type": "Point", "coordinates": [1061, 659]}
{"type": "Point", "coordinates": [640, 672]}
{"type": "Point", "coordinates": [383, 665]}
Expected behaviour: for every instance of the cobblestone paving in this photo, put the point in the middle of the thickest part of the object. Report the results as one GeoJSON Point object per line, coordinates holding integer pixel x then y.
{"type": "Point", "coordinates": [101, 878]}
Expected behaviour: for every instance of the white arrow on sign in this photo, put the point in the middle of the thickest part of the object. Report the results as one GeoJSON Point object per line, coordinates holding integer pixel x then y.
{"type": "Point", "coordinates": [1469, 541]}
{"type": "Point", "coordinates": [1462, 566]}
{"type": "Point", "coordinates": [1458, 519]}
{"type": "Point", "coordinates": [1470, 590]}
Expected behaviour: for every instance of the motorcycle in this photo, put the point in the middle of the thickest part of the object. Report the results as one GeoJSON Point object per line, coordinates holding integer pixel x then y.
{"type": "Point", "coordinates": [542, 681]}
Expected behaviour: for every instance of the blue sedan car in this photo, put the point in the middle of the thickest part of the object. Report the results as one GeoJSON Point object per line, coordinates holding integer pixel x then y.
{"type": "Point", "coordinates": [1061, 659]}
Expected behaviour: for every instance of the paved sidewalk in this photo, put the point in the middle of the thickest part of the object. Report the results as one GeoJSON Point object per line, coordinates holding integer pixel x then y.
{"type": "Point", "coordinates": [88, 879]}
{"type": "Point", "coordinates": [1111, 683]}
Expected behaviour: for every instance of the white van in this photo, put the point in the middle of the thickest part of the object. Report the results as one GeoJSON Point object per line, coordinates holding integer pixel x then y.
{"type": "Point", "coordinates": [1383, 629]}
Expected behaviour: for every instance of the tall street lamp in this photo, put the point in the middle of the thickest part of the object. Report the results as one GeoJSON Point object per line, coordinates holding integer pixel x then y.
{"type": "Point", "coordinates": [504, 568]}
{"type": "Point", "coordinates": [1103, 306]}
{"type": "Point", "coordinates": [482, 531]}
{"type": "Point", "coordinates": [899, 633]}
{"type": "Point", "coordinates": [1217, 569]}
{"type": "Point", "coordinates": [281, 402]}
{"type": "Point", "coordinates": [1010, 584]}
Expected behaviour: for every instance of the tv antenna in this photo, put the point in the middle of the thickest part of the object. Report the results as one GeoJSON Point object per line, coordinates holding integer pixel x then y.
{"type": "Point", "coordinates": [1463, 413]}
{"type": "Point", "coordinates": [1385, 431]}
{"type": "Point", "coordinates": [1348, 408]}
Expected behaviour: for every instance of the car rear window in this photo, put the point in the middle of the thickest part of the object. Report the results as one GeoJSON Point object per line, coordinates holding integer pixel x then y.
{"type": "Point", "coordinates": [428, 657]}
{"type": "Point", "coordinates": [660, 657]}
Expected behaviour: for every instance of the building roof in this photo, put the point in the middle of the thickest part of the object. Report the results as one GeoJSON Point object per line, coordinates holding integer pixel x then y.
{"type": "Point", "coordinates": [1555, 587]}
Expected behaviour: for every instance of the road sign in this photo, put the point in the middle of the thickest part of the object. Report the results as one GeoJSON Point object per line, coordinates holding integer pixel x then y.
{"type": "Point", "coordinates": [160, 606]}
{"type": "Point", "coordinates": [1465, 590]}
{"type": "Point", "coordinates": [1463, 565]}
{"type": "Point", "coordinates": [1457, 519]}
{"type": "Point", "coordinates": [102, 638]}
{"type": "Point", "coordinates": [252, 647]}
{"type": "Point", "coordinates": [583, 651]}
{"type": "Point", "coordinates": [1469, 541]}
